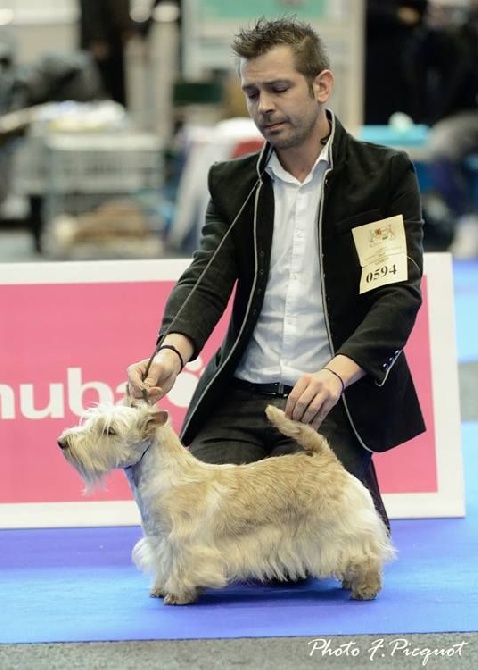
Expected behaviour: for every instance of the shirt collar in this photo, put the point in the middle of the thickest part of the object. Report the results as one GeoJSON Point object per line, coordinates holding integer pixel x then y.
{"type": "Point", "coordinates": [275, 169]}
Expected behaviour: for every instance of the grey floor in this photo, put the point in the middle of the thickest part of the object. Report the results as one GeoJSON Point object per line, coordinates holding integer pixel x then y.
{"type": "Point", "coordinates": [16, 244]}
{"type": "Point", "coordinates": [438, 652]}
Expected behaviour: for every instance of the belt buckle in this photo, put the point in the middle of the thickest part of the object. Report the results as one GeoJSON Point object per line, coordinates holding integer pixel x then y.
{"type": "Point", "coordinates": [281, 392]}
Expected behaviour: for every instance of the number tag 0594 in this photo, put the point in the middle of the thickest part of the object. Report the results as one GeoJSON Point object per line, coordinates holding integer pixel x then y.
{"type": "Point", "coordinates": [382, 250]}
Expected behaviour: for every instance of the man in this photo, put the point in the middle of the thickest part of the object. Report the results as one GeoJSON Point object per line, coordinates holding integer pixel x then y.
{"type": "Point", "coordinates": [289, 229]}
{"type": "Point", "coordinates": [454, 135]}
{"type": "Point", "coordinates": [104, 28]}
{"type": "Point", "coordinates": [394, 79]}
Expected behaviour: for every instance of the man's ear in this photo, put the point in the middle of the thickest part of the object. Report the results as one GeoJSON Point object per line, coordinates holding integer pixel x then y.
{"type": "Point", "coordinates": [323, 85]}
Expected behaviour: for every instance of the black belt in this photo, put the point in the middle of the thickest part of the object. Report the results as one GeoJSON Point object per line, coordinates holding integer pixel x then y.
{"type": "Point", "coordinates": [278, 390]}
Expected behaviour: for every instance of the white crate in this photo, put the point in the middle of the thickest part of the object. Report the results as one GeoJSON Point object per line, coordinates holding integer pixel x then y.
{"type": "Point", "coordinates": [120, 162]}
{"type": "Point", "coordinates": [102, 195]}
{"type": "Point", "coordinates": [30, 172]}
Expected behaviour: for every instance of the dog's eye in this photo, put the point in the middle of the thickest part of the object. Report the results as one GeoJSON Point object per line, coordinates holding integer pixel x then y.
{"type": "Point", "coordinates": [110, 431]}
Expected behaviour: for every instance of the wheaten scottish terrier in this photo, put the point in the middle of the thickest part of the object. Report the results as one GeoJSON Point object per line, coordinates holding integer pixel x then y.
{"type": "Point", "coordinates": [207, 525]}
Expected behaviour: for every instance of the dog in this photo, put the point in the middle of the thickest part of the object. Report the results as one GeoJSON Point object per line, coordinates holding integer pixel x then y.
{"type": "Point", "coordinates": [207, 525]}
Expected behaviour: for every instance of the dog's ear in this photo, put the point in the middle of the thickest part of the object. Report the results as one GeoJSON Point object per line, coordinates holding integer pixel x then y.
{"type": "Point", "coordinates": [157, 417]}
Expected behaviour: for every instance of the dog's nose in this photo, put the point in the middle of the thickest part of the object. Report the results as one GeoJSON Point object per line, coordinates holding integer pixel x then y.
{"type": "Point", "coordinates": [62, 442]}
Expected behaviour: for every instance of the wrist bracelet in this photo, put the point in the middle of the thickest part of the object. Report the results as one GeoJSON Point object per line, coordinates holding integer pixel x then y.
{"type": "Point", "coordinates": [173, 348]}
{"type": "Point", "coordinates": [338, 377]}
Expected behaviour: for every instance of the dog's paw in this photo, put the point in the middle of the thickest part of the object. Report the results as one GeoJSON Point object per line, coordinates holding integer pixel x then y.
{"type": "Point", "coordinates": [176, 599]}
{"type": "Point", "coordinates": [156, 593]}
{"type": "Point", "coordinates": [366, 587]}
{"type": "Point", "coordinates": [363, 595]}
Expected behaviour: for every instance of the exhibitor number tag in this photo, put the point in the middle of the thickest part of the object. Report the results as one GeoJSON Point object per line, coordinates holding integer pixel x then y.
{"type": "Point", "coordinates": [382, 251]}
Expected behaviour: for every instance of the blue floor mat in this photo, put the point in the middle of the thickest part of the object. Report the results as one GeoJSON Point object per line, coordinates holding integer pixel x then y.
{"type": "Point", "coordinates": [78, 585]}
{"type": "Point", "coordinates": [465, 279]}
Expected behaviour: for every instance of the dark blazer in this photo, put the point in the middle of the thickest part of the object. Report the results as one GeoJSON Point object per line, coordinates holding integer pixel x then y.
{"type": "Point", "coordinates": [366, 183]}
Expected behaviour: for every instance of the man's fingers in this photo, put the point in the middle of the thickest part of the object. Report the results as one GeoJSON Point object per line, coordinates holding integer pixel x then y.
{"type": "Point", "coordinates": [294, 396]}
{"type": "Point", "coordinates": [151, 379]}
{"type": "Point", "coordinates": [317, 421]}
{"type": "Point", "coordinates": [155, 393]}
{"type": "Point", "coordinates": [137, 371]}
{"type": "Point", "coordinates": [135, 392]}
{"type": "Point", "coordinates": [304, 409]}
{"type": "Point", "coordinates": [136, 374]}
{"type": "Point", "coordinates": [312, 412]}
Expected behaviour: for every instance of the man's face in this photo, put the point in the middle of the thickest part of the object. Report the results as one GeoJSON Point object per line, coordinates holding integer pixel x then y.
{"type": "Point", "coordinates": [282, 104]}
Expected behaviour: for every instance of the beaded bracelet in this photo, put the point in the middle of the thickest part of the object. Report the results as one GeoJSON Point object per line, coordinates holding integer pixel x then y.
{"type": "Point", "coordinates": [338, 377]}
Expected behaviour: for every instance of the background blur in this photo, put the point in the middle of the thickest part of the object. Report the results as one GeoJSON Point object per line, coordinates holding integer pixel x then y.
{"type": "Point", "coordinates": [111, 111]}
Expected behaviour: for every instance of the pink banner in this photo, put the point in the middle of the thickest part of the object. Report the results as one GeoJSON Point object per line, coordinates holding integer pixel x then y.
{"type": "Point", "coordinates": [66, 346]}
{"type": "Point", "coordinates": [412, 467]}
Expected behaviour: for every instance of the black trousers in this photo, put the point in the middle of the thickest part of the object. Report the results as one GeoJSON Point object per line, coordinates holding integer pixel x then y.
{"type": "Point", "coordinates": [238, 432]}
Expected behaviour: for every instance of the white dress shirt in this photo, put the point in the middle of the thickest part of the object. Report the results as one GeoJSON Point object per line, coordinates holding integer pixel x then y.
{"type": "Point", "coordinates": [290, 337]}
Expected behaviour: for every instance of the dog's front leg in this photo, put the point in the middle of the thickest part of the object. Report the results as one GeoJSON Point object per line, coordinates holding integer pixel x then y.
{"type": "Point", "coordinates": [181, 587]}
{"type": "Point", "coordinates": [182, 596]}
{"type": "Point", "coordinates": [157, 590]}
{"type": "Point", "coordinates": [191, 571]}
{"type": "Point", "coordinates": [151, 555]}
{"type": "Point", "coordinates": [172, 576]}
{"type": "Point", "coordinates": [163, 568]}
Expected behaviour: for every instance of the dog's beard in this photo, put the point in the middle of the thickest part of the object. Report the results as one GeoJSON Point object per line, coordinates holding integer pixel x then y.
{"type": "Point", "coordinates": [92, 468]}
{"type": "Point", "coordinates": [107, 454]}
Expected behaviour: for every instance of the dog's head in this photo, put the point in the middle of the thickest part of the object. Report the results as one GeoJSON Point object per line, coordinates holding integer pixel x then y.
{"type": "Point", "coordinates": [109, 437]}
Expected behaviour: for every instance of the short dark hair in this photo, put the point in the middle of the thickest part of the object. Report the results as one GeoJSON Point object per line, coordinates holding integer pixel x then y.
{"type": "Point", "coordinates": [309, 51]}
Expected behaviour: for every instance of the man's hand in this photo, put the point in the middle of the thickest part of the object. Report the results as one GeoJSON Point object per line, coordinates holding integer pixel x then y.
{"type": "Point", "coordinates": [313, 397]}
{"type": "Point", "coordinates": [159, 378]}
{"type": "Point", "coordinates": [156, 381]}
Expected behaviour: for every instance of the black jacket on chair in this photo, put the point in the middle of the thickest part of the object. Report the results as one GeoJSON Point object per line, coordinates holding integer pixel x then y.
{"type": "Point", "coordinates": [366, 183]}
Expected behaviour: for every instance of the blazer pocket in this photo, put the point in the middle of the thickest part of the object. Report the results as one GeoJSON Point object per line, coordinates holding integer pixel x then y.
{"type": "Point", "coordinates": [360, 219]}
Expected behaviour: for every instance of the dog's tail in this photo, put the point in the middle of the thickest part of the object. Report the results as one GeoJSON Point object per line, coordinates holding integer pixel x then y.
{"type": "Point", "coordinates": [303, 434]}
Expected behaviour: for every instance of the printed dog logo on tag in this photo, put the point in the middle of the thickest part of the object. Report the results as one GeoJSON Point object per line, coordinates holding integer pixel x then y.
{"type": "Point", "coordinates": [381, 234]}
